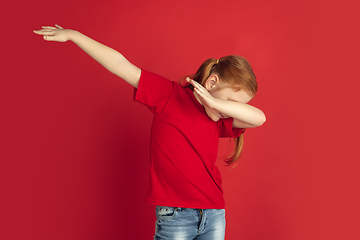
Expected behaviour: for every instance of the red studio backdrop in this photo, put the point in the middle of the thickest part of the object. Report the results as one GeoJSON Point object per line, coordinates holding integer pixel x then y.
{"type": "Point", "coordinates": [75, 157]}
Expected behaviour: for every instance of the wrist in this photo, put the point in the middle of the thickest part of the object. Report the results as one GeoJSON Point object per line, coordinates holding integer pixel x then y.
{"type": "Point", "coordinates": [215, 103]}
{"type": "Point", "coordinates": [71, 34]}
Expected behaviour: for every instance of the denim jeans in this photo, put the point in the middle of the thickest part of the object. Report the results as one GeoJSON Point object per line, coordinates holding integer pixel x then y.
{"type": "Point", "coordinates": [188, 224]}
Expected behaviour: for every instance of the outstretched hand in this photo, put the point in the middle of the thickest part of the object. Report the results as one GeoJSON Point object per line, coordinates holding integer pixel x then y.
{"type": "Point", "coordinates": [203, 94]}
{"type": "Point", "coordinates": [56, 33]}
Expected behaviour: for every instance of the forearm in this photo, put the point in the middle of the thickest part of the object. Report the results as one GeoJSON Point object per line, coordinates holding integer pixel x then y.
{"type": "Point", "coordinates": [240, 111]}
{"type": "Point", "coordinates": [111, 59]}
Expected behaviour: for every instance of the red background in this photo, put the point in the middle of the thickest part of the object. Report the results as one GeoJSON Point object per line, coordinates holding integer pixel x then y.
{"type": "Point", "coordinates": [75, 157]}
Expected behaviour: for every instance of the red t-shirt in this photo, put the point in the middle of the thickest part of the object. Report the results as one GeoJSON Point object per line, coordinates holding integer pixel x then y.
{"type": "Point", "coordinates": [183, 146]}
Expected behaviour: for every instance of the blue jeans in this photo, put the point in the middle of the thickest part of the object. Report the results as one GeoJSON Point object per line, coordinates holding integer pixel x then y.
{"type": "Point", "coordinates": [188, 223]}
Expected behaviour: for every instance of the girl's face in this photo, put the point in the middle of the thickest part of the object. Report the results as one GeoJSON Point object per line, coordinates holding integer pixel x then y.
{"type": "Point", "coordinates": [224, 91]}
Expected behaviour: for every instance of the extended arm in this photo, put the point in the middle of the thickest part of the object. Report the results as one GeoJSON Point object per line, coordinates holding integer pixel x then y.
{"type": "Point", "coordinates": [111, 59]}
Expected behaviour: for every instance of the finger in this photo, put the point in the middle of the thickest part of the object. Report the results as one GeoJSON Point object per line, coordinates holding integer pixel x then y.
{"type": "Point", "coordinates": [201, 92]}
{"type": "Point", "coordinates": [49, 38]}
{"type": "Point", "coordinates": [191, 81]}
{"type": "Point", "coordinates": [44, 32]}
{"type": "Point", "coordinates": [58, 26]}
{"type": "Point", "coordinates": [197, 91]}
{"type": "Point", "coordinates": [48, 27]}
{"type": "Point", "coordinates": [196, 84]}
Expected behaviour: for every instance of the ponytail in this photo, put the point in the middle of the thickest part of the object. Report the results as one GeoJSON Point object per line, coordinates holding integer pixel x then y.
{"type": "Point", "coordinates": [239, 142]}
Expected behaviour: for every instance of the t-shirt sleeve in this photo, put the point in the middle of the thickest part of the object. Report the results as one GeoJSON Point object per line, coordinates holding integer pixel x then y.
{"type": "Point", "coordinates": [153, 91]}
{"type": "Point", "coordinates": [225, 127]}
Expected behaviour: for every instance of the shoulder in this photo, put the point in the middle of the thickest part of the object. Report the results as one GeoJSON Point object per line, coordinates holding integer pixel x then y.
{"type": "Point", "coordinates": [152, 77]}
{"type": "Point", "coordinates": [152, 82]}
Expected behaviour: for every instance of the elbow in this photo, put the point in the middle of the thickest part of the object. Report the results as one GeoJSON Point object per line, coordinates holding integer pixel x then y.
{"type": "Point", "coordinates": [261, 119]}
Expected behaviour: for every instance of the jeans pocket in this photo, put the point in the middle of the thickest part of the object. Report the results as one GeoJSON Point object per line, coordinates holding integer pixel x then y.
{"type": "Point", "coordinates": [163, 211]}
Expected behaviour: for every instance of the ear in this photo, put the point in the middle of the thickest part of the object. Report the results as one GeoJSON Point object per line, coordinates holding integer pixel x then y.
{"type": "Point", "coordinates": [211, 82]}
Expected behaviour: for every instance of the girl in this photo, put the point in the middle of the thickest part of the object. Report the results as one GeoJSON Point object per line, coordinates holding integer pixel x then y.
{"type": "Point", "coordinates": [185, 184]}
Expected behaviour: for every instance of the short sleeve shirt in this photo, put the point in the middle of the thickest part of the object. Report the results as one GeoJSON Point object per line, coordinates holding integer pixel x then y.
{"type": "Point", "coordinates": [183, 146]}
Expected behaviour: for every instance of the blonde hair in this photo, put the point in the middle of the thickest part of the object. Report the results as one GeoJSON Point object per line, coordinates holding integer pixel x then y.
{"type": "Point", "coordinates": [236, 71]}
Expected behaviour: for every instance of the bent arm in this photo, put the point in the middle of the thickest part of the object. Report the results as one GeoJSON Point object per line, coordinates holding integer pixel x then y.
{"type": "Point", "coordinates": [245, 115]}
{"type": "Point", "coordinates": [111, 59]}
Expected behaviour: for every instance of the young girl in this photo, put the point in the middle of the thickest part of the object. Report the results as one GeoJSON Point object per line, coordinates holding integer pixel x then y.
{"type": "Point", "coordinates": [185, 184]}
